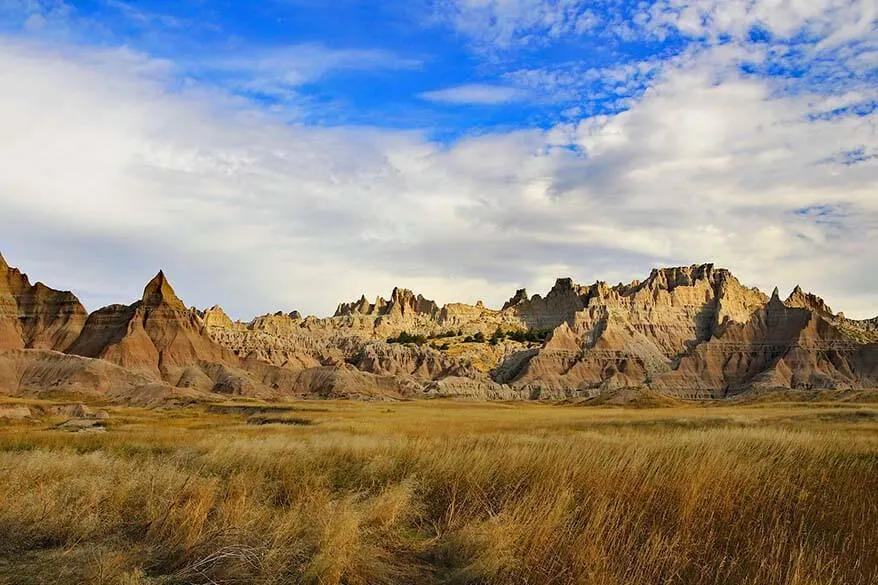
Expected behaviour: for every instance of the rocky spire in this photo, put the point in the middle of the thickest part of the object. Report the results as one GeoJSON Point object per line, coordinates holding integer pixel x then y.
{"type": "Point", "coordinates": [519, 297]}
{"type": "Point", "coordinates": [800, 299]}
{"type": "Point", "coordinates": [562, 286]}
{"type": "Point", "coordinates": [774, 302]}
{"type": "Point", "coordinates": [217, 317]}
{"type": "Point", "coordinates": [159, 292]}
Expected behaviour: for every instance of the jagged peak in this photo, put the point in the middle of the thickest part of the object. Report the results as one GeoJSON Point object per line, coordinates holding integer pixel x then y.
{"type": "Point", "coordinates": [400, 299]}
{"type": "Point", "coordinates": [160, 292]}
{"type": "Point", "coordinates": [802, 300]}
{"type": "Point", "coordinates": [403, 300]}
{"type": "Point", "coordinates": [42, 288]}
{"type": "Point", "coordinates": [400, 294]}
{"type": "Point", "coordinates": [674, 276]}
{"type": "Point", "coordinates": [562, 284]}
{"type": "Point", "coordinates": [669, 278]}
{"type": "Point", "coordinates": [216, 317]}
{"type": "Point", "coordinates": [3, 264]}
{"type": "Point", "coordinates": [520, 296]}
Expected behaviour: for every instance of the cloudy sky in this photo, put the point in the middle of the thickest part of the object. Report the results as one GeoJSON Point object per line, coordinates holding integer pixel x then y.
{"type": "Point", "coordinates": [292, 154]}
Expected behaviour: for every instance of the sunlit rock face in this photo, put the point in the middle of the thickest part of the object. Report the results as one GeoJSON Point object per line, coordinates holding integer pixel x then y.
{"type": "Point", "coordinates": [36, 316]}
{"type": "Point", "coordinates": [689, 331]}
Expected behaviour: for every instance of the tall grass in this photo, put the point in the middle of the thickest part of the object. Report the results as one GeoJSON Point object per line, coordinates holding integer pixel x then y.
{"type": "Point", "coordinates": [448, 493]}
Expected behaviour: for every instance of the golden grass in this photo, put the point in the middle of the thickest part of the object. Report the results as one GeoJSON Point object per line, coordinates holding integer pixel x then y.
{"type": "Point", "coordinates": [445, 492]}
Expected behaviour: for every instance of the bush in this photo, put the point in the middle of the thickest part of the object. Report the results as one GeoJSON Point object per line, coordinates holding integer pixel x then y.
{"type": "Point", "coordinates": [406, 337]}
{"type": "Point", "coordinates": [442, 335]}
{"type": "Point", "coordinates": [530, 336]}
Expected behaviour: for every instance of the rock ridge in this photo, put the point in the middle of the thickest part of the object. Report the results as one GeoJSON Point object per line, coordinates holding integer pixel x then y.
{"type": "Point", "coordinates": [689, 331]}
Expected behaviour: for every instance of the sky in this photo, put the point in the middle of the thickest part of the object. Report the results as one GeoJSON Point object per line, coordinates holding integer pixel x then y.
{"type": "Point", "coordinates": [294, 154]}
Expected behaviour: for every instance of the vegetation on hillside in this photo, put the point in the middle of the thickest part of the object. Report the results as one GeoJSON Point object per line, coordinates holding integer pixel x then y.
{"type": "Point", "coordinates": [406, 337]}
{"type": "Point", "coordinates": [519, 335]}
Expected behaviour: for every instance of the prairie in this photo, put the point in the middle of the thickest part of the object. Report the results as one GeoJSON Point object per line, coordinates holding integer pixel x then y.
{"type": "Point", "coordinates": [445, 492]}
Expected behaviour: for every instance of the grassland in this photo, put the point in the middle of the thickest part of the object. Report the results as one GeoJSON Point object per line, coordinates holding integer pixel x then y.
{"type": "Point", "coordinates": [442, 492]}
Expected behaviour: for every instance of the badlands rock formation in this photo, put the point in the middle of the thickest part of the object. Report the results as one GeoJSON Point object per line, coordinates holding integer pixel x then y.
{"type": "Point", "coordinates": [156, 334]}
{"type": "Point", "coordinates": [37, 316]}
{"type": "Point", "coordinates": [691, 331]}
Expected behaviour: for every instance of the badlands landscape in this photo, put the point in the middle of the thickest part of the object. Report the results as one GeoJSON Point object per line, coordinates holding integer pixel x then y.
{"type": "Point", "coordinates": [294, 207]}
{"type": "Point", "coordinates": [693, 332]}
{"type": "Point", "coordinates": [684, 429]}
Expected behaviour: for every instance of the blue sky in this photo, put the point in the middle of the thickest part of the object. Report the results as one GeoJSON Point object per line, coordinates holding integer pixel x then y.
{"type": "Point", "coordinates": [463, 148]}
{"type": "Point", "coordinates": [450, 68]}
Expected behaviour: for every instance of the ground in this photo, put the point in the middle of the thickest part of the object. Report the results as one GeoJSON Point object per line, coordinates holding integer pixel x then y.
{"type": "Point", "coordinates": [444, 492]}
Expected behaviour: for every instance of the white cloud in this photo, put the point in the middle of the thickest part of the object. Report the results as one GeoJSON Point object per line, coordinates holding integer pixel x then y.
{"type": "Point", "coordinates": [475, 93]}
{"type": "Point", "coordinates": [122, 177]}
{"type": "Point", "coordinates": [509, 23]}
{"type": "Point", "coordinates": [587, 86]}
{"type": "Point", "coordinates": [279, 72]}
{"type": "Point", "coordinates": [712, 18]}
{"type": "Point", "coordinates": [35, 14]}
{"type": "Point", "coordinates": [146, 18]}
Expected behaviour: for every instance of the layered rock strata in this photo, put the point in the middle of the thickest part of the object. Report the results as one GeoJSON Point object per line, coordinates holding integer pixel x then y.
{"type": "Point", "coordinates": [36, 316]}
{"type": "Point", "coordinates": [691, 331]}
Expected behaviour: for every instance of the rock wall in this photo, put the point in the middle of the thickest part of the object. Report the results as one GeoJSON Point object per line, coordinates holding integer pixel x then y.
{"type": "Point", "coordinates": [37, 316]}
{"type": "Point", "coordinates": [686, 331]}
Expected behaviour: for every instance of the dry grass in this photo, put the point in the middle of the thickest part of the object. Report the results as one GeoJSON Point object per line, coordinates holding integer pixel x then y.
{"type": "Point", "coordinates": [447, 493]}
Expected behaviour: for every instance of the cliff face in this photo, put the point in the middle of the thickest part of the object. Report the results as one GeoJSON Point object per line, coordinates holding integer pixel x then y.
{"type": "Point", "coordinates": [36, 317]}
{"type": "Point", "coordinates": [696, 331]}
{"type": "Point", "coordinates": [688, 331]}
{"type": "Point", "coordinates": [693, 330]}
{"type": "Point", "coordinates": [154, 334]}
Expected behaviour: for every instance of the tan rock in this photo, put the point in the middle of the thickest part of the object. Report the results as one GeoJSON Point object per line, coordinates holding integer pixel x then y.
{"type": "Point", "coordinates": [689, 331]}
{"type": "Point", "coordinates": [216, 317]}
{"type": "Point", "coordinates": [156, 333]}
{"type": "Point", "coordinates": [37, 316]}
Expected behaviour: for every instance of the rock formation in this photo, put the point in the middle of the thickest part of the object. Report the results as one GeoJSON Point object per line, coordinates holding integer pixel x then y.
{"type": "Point", "coordinates": [36, 317]}
{"type": "Point", "coordinates": [691, 331]}
{"type": "Point", "coordinates": [694, 331]}
{"type": "Point", "coordinates": [402, 302]}
{"type": "Point", "coordinates": [156, 334]}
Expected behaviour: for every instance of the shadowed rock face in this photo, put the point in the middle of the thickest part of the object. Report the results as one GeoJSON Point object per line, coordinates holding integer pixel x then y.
{"type": "Point", "coordinates": [559, 306]}
{"type": "Point", "coordinates": [36, 317]}
{"type": "Point", "coordinates": [698, 332]}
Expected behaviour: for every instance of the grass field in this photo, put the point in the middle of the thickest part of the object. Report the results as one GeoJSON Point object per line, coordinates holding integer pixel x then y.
{"type": "Point", "coordinates": [444, 492]}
